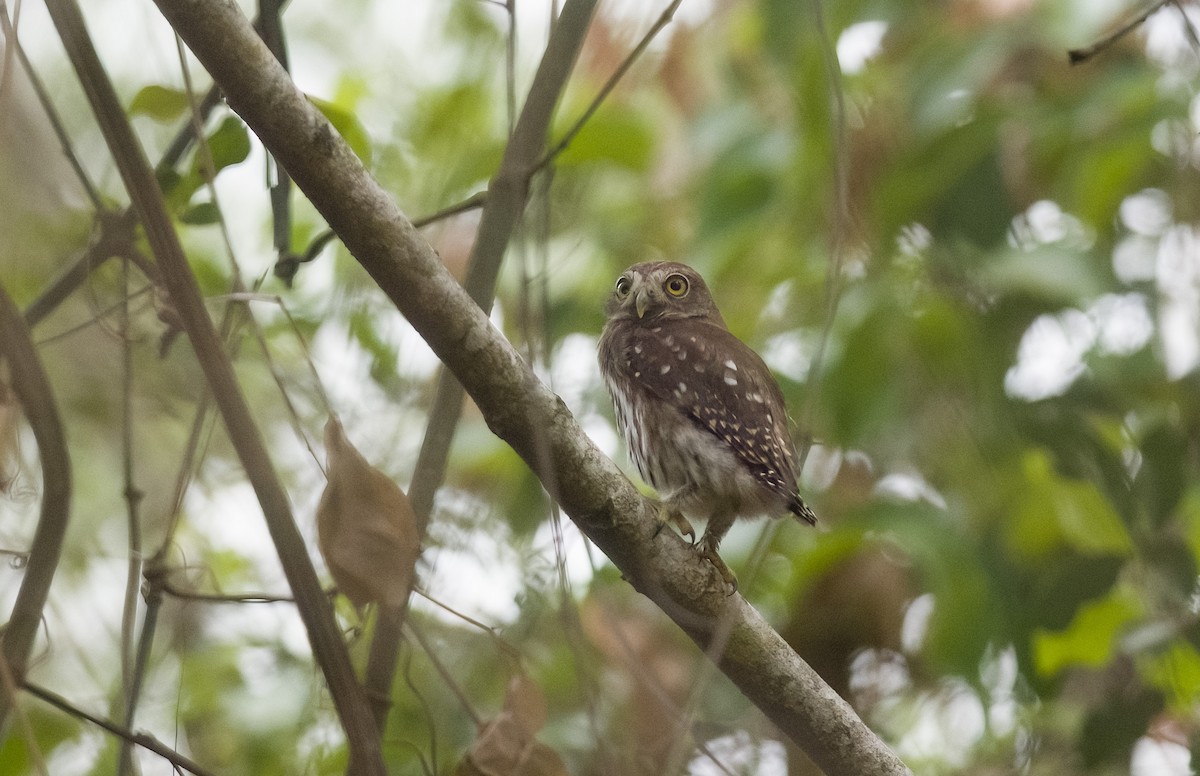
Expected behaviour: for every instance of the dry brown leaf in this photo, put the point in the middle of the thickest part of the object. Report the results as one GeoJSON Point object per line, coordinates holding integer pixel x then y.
{"type": "Point", "coordinates": [366, 529]}
{"type": "Point", "coordinates": [524, 701]}
{"type": "Point", "coordinates": [506, 745]}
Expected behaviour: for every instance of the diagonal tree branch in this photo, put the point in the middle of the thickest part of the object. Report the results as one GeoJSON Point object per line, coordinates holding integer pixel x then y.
{"type": "Point", "coordinates": [516, 405]}
{"type": "Point", "coordinates": [32, 388]}
{"type": "Point", "coordinates": [143, 740]}
{"type": "Point", "coordinates": [138, 177]}
{"type": "Point", "coordinates": [503, 209]}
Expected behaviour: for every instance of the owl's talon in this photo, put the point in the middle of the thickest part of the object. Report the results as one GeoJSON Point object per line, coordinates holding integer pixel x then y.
{"type": "Point", "coordinates": [667, 514]}
{"type": "Point", "coordinates": [709, 553]}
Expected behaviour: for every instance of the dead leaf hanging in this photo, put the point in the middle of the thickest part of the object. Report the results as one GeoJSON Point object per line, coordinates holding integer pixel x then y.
{"type": "Point", "coordinates": [366, 529]}
{"type": "Point", "coordinates": [507, 744]}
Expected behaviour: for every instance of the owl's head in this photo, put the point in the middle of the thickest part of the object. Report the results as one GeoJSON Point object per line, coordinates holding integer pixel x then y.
{"type": "Point", "coordinates": [657, 290]}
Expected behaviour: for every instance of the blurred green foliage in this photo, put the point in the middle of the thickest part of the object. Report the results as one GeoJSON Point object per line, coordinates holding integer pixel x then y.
{"type": "Point", "coordinates": [1005, 415]}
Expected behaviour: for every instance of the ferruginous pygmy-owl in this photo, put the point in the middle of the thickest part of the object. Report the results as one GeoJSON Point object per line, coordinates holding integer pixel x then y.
{"type": "Point", "coordinates": [702, 415]}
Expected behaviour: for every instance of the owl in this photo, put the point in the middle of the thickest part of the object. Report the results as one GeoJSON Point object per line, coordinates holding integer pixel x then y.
{"type": "Point", "coordinates": [702, 416]}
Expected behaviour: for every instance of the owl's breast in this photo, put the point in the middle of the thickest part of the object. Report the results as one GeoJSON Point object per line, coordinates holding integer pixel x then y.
{"type": "Point", "coordinates": [678, 395]}
{"type": "Point", "coordinates": [643, 420]}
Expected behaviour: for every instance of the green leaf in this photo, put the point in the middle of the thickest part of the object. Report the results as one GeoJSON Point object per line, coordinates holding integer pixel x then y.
{"type": "Point", "coordinates": [159, 103]}
{"type": "Point", "coordinates": [1176, 671]}
{"type": "Point", "coordinates": [618, 136]}
{"type": "Point", "coordinates": [1189, 517]}
{"type": "Point", "coordinates": [347, 125]}
{"type": "Point", "coordinates": [49, 729]}
{"type": "Point", "coordinates": [1090, 638]}
{"type": "Point", "coordinates": [178, 189]}
{"type": "Point", "coordinates": [1054, 511]}
{"type": "Point", "coordinates": [382, 353]}
{"type": "Point", "coordinates": [201, 214]}
{"type": "Point", "coordinates": [229, 144]}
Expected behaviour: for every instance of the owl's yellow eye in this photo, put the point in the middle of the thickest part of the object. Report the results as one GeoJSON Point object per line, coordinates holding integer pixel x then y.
{"type": "Point", "coordinates": [623, 285]}
{"type": "Point", "coordinates": [676, 285]}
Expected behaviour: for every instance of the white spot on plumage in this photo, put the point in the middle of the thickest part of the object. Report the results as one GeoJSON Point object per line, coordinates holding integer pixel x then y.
{"type": "Point", "coordinates": [704, 459]}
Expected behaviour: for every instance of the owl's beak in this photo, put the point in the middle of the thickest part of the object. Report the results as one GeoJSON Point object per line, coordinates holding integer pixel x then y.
{"type": "Point", "coordinates": [641, 300]}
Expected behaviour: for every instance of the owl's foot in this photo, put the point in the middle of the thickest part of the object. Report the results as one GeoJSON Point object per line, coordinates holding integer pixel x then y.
{"type": "Point", "coordinates": [668, 514]}
{"type": "Point", "coordinates": [708, 551]}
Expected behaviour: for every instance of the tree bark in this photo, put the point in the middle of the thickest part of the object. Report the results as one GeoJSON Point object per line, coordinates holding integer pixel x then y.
{"type": "Point", "coordinates": [30, 388]}
{"type": "Point", "coordinates": [515, 404]}
{"type": "Point", "coordinates": [329, 650]}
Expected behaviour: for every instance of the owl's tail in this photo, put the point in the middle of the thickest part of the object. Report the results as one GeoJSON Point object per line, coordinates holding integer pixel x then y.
{"type": "Point", "coordinates": [801, 510]}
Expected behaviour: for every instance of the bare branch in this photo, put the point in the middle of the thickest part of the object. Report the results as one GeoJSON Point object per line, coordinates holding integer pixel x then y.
{"type": "Point", "coordinates": [143, 740]}
{"type": "Point", "coordinates": [1075, 56]}
{"type": "Point", "coordinates": [516, 405]}
{"type": "Point", "coordinates": [225, 598]}
{"type": "Point", "coordinates": [60, 131]}
{"type": "Point", "coordinates": [328, 647]}
{"type": "Point", "coordinates": [504, 206]}
{"type": "Point", "coordinates": [663, 20]}
{"type": "Point", "coordinates": [32, 389]}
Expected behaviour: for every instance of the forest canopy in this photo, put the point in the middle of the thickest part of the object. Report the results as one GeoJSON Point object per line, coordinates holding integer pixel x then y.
{"type": "Point", "coordinates": [963, 235]}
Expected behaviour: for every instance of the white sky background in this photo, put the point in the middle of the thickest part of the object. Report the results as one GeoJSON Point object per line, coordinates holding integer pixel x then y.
{"type": "Point", "coordinates": [1050, 358]}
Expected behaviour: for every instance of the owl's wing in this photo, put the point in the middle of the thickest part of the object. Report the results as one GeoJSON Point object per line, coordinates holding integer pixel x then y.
{"type": "Point", "coordinates": [726, 389]}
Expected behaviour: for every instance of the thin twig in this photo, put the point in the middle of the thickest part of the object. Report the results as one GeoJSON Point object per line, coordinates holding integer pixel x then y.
{"type": "Point", "coordinates": [60, 131]}
{"type": "Point", "coordinates": [510, 65]}
{"type": "Point", "coordinates": [602, 502]}
{"type": "Point", "coordinates": [841, 219]}
{"type": "Point", "coordinates": [287, 265]}
{"type": "Point", "coordinates": [207, 164]}
{"type": "Point", "coordinates": [8, 686]}
{"type": "Point", "coordinates": [430, 767]}
{"type": "Point", "coordinates": [329, 650]}
{"type": "Point", "coordinates": [444, 672]}
{"type": "Point", "coordinates": [506, 201]}
{"type": "Point", "coordinates": [474, 202]}
{"type": "Point", "coordinates": [652, 683]}
{"type": "Point", "coordinates": [663, 20]}
{"type": "Point", "coordinates": [220, 598]}
{"type": "Point", "coordinates": [94, 320]}
{"type": "Point", "coordinates": [183, 479]}
{"type": "Point", "coordinates": [500, 642]}
{"type": "Point", "coordinates": [1188, 27]}
{"type": "Point", "coordinates": [132, 671]}
{"type": "Point", "coordinates": [277, 376]}
{"type": "Point", "coordinates": [110, 232]}
{"type": "Point", "coordinates": [143, 740]}
{"type": "Point", "coordinates": [833, 272]}
{"type": "Point", "coordinates": [1075, 56]}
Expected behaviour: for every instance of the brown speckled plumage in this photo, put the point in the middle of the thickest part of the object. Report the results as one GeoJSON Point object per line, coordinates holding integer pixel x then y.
{"type": "Point", "coordinates": [703, 417]}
